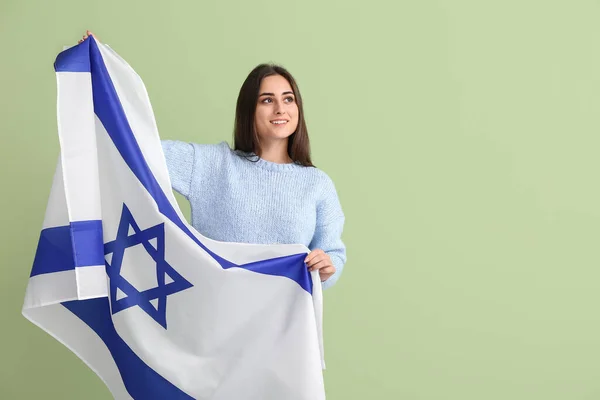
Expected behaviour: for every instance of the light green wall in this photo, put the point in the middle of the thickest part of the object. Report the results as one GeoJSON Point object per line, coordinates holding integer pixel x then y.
{"type": "Point", "coordinates": [463, 138]}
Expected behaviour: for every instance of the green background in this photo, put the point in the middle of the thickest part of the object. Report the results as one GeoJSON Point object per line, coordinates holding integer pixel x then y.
{"type": "Point", "coordinates": [462, 137]}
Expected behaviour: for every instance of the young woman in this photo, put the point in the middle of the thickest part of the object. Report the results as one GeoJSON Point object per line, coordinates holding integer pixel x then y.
{"type": "Point", "coordinates": [266, 189]}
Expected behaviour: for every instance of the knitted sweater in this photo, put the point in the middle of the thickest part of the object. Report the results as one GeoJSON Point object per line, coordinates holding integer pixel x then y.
{"type": "Point", "coordinates": [235, 199]}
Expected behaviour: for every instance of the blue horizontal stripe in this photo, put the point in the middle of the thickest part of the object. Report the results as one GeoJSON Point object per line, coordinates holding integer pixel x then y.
{"type": "Point", "coordinates": [62, 248]}
{"type": "Point", "coordinates": [88, 243]}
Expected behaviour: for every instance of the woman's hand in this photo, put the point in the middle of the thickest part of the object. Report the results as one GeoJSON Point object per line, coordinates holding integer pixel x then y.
{"type": "Point", "coordinates": [87, 33]}
{"type": "Point", "coordinates": [319, 260]}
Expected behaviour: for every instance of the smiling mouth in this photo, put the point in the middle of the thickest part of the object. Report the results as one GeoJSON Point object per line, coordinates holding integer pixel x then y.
{"type": "Point", "coordinates": [279, 122]}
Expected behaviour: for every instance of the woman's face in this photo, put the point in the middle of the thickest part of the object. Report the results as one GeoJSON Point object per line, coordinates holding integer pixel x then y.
{"type": "Point", "coordinates": [276, 102]}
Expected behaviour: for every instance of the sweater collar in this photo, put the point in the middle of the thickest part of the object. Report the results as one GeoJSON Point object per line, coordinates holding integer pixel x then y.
{"type": "Point", "coordinates": [269, 165]}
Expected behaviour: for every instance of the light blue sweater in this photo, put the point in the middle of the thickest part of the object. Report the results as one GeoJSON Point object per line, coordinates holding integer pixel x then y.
{"type": "Point", "coordinates": [235, 199]}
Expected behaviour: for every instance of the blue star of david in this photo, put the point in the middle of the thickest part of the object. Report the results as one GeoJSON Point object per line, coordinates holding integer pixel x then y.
{"type": "Point", "coordinates": [135, 297]}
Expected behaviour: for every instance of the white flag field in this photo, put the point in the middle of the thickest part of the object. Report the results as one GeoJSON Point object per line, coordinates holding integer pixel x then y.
{"type": "Point", "coordinates": [154, 308]}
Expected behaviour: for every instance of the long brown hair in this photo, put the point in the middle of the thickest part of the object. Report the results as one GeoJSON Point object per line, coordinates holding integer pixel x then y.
{"type": "Point", "coordinates": [245, 137]}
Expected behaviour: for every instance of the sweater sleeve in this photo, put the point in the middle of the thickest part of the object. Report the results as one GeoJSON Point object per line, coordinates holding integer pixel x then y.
{"type": "Point", "coordinates": [180, 163]}
{"type": "Point", "coordinates": [328, 231]}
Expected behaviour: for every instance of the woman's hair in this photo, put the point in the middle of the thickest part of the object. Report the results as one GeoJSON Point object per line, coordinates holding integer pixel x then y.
{"type": "Point", "coordinates": [245, 137]}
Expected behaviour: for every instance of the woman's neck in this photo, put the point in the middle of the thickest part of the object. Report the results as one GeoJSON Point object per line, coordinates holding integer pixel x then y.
{"type": "Point", "coordinates": [275, 152]}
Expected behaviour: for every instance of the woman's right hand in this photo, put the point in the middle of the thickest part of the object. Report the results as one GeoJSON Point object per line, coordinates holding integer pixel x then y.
{"type": "Point", "coordinates": [87, 34]}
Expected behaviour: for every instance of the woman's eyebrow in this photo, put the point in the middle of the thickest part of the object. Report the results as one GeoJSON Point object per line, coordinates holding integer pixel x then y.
{"type": "Point", "coordinates": [273, 94]}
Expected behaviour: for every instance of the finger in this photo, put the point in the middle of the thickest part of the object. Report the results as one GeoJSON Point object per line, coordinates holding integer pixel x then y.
{"type": "Point", "coordinates": [320, 264]}
{"type": "Point", "coordinates": [313, 254]}
{"type": "Point", "coordinates": [315, 259]}
{"type": "Point", "coordinates": [309, 257]}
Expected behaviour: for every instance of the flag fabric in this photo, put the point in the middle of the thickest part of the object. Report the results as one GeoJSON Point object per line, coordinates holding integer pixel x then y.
{"type": "Point", "coordinates": [154, 308]}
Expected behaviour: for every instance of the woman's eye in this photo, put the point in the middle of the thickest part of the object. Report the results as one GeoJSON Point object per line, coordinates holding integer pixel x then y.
{"type": "Point", "coordinates": [290, 99]}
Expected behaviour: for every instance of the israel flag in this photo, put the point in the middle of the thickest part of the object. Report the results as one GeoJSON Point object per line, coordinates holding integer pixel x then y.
{"type": "Point", "coordinates": [154, 308]}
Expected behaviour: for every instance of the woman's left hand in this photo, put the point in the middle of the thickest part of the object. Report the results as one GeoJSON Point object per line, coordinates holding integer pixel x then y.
{"type": "Point", "coordinates": [319, 260]}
